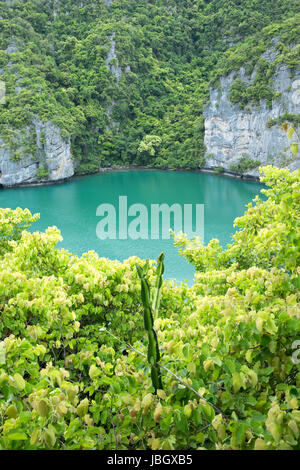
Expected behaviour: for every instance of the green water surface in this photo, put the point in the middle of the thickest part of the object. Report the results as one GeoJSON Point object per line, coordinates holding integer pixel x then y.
{"type": "Point", "coordinates": [71, 206]}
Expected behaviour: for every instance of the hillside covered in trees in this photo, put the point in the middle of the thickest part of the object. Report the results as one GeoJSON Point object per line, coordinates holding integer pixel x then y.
{"type": "Point", "coordinates": [126, 80]}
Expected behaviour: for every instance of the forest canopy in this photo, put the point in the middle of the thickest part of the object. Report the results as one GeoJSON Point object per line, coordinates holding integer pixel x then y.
{"type": "Point", "coordinates": [54, 61]}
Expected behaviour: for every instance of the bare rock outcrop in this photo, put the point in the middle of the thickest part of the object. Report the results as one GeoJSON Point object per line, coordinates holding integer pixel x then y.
{"type": "Point", "coordinates": [232, 133]}
{"type": "Point", "coordinates": [51, 162]}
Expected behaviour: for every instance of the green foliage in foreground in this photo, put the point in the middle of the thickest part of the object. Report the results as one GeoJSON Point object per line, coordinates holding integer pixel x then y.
{"type": "Point", "coordinates": [65, 383]}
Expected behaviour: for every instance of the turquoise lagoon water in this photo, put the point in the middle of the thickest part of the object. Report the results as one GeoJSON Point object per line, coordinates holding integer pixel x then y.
{"type": "Point", "coordinates": [72, 205]}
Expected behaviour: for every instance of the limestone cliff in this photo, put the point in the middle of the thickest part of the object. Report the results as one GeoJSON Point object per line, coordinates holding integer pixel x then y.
{"type": "Point", "coordinates": [232, 133]}
{"type": "Point", "coordinates": [52, 160]}
{"type": "Point", "coordinates": [47, 159]}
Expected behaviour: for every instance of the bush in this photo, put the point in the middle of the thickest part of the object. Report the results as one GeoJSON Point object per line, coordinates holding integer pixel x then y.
{"type": "Point", "coordinates": [69, 378]}
{"type": "Point", "coordinates": [244, 164]}
{"type": "Point", "coordinates": [42, 173]}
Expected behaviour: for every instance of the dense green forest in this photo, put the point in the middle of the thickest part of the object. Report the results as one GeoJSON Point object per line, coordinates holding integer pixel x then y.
{"type": "Point", "coordinates": [74, 367]}
{"type": "Point", "coordinates": [145, 106]}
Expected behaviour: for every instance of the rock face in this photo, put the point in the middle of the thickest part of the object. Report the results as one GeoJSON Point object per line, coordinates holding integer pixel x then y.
{"type": "Point", "coordinates": [232, 133]}
{"type": "Point", "coordinates": [53, 157]}
{"type": "Point", "coordinates": [112, 56]}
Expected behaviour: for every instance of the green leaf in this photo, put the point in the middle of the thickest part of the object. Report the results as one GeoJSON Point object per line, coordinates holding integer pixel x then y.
{"type": "Point", "coordinates": [42, 408]}
{"type": "Point", "coordinates": [290, 132]}
{"type": "Point", "coordinates": [12, 412]}
{"type": "Point", "coordinates": [2, 352]}
{"type": "Point", "coordinates": [260, 444]}
{"type": "Point", "coordinates": [294, 148]}
{"type": "Point", "coordinates": [237, 382]}
{"type": "Point", "coordinates": [94, 372]}
{"type": "Point", "coordinates": [50, 438]}
{"type": "Point", "coordinates": [17, 436]}
{"type": "Point", "coordinates": [18, 381]}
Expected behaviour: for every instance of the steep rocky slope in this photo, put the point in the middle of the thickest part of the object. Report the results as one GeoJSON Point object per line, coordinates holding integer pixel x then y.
{"type": "Point", "coordinates": [51, 162]}
{"type": "Point", "coordinates": [233, 135]}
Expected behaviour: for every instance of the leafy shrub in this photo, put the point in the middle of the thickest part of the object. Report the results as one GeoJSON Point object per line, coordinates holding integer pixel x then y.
{"type": "Point", "coordinates": [72, 369]}
{"type": "Point", "coordinates": [244, 164]}
{"type": "Point", "coordinates": [219, 170]}
{"type": "Point", "coordinates": [294, 119]}
{"type": "Point", "coordinates": [42, 173]}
